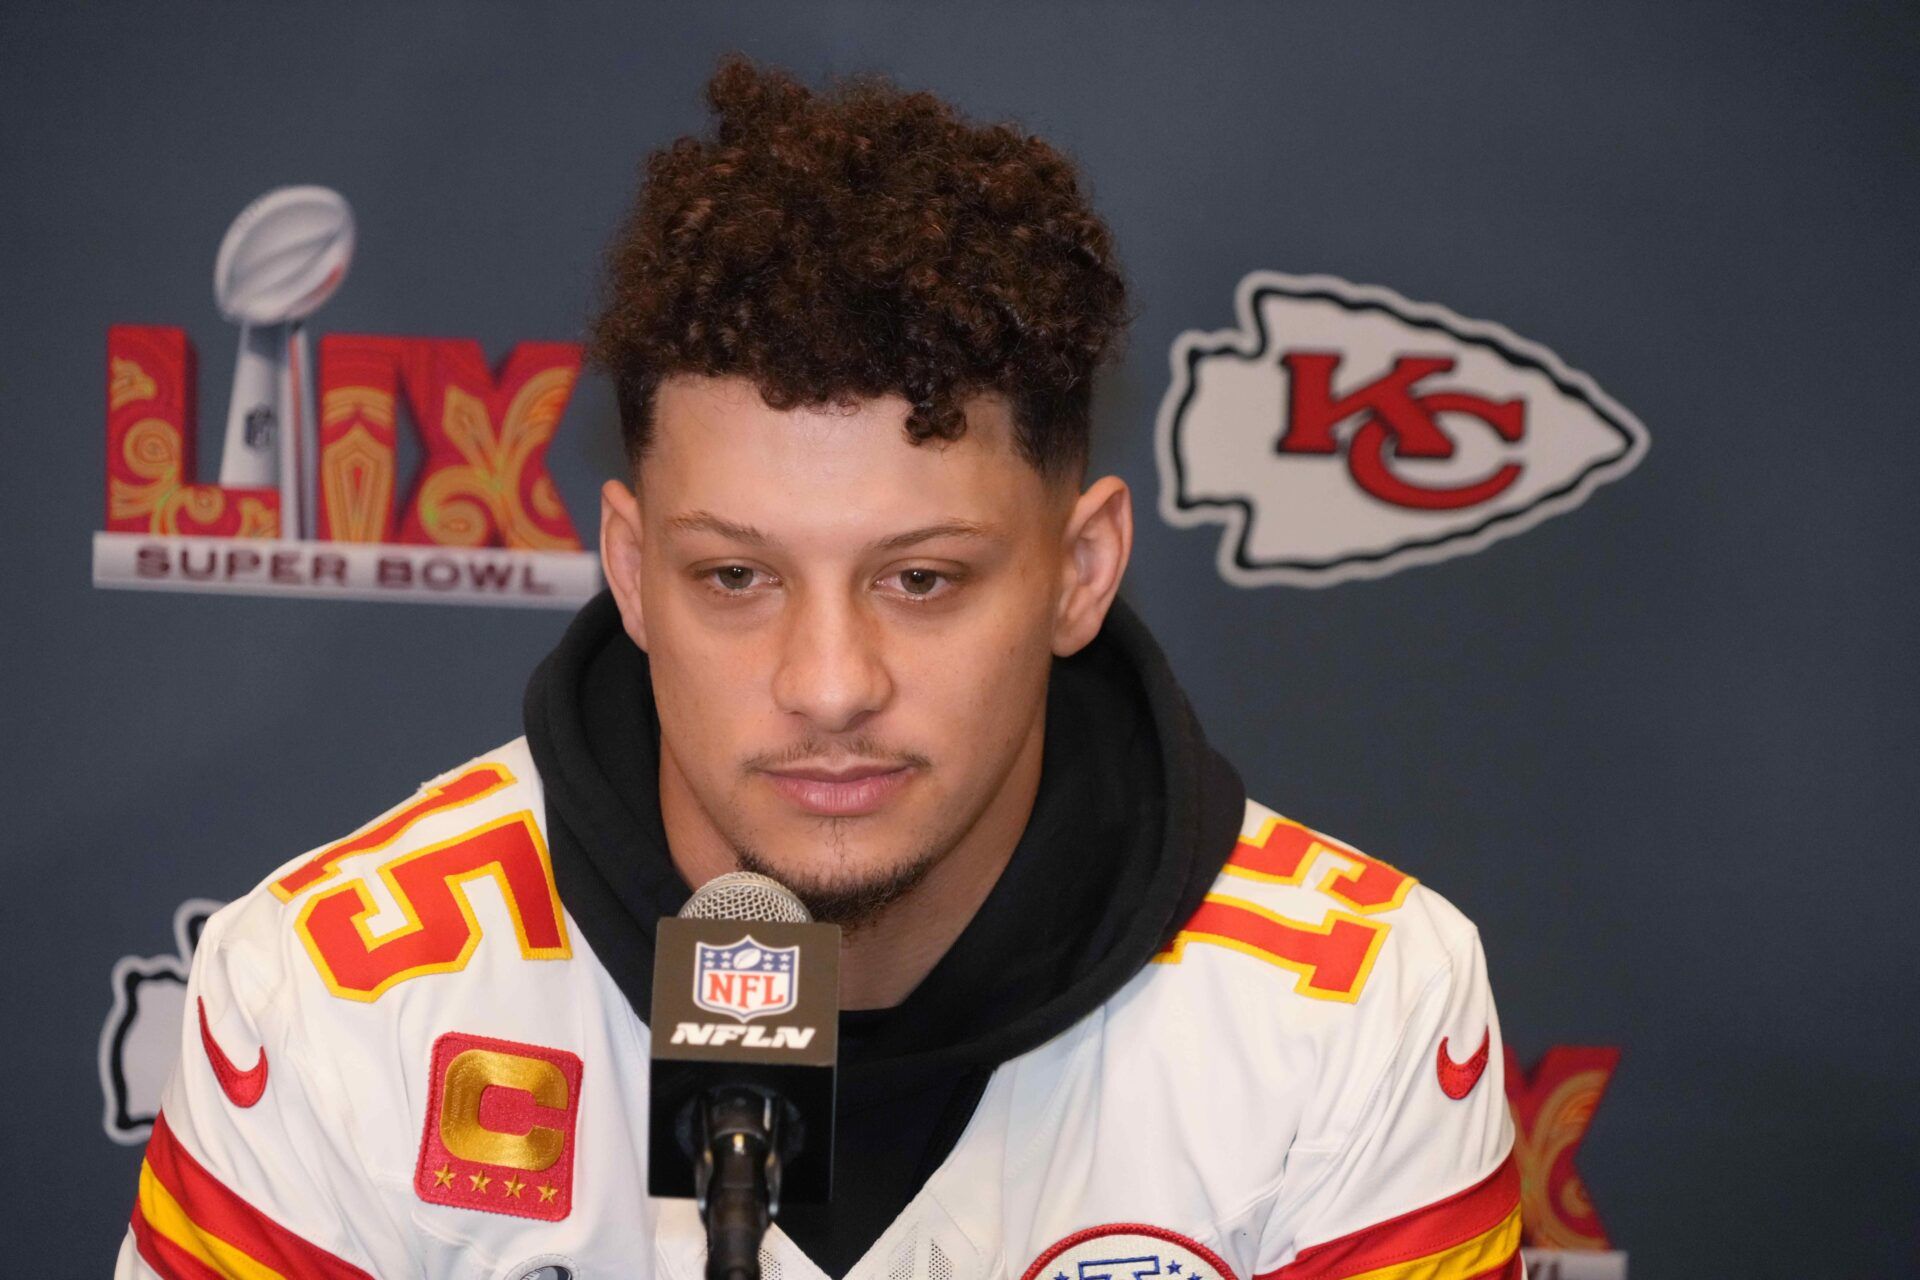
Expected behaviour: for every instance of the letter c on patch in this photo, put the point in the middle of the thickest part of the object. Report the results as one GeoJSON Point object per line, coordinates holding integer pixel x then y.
{"type": "Point", "coordinates": [468, 1078]}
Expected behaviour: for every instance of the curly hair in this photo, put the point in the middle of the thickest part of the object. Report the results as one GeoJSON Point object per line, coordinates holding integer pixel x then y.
{"type": "Point", "coordinates": [860, 242]}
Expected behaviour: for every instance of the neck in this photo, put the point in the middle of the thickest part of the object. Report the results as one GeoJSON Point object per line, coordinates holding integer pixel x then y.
{"type": "Point", "coordinates": [883, 959]}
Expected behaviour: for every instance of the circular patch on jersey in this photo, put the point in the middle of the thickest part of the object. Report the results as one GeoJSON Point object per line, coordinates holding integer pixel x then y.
{"type": "Point", "coordinates": [1128, 1251]}
{"type": "Point", "coordinates": [548, 1266]}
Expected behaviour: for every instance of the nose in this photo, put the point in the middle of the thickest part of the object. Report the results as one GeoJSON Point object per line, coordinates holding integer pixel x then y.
{"type": "Point", "coordinates": [831, 667]}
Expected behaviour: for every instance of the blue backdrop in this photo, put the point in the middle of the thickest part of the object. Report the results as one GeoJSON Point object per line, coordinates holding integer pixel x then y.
{"type": "Point", "coordinates": [1661, 748]}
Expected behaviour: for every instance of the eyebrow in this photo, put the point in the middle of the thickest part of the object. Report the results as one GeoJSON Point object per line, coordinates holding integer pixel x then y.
{"type": "Point", "coordinates": [708, 522]}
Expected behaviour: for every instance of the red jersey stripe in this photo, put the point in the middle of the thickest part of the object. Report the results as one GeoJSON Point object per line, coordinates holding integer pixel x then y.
{"type": "Point", "coordinates": [1440, 1226]}
{"type": "Point", "coordinates": [217, 1212]}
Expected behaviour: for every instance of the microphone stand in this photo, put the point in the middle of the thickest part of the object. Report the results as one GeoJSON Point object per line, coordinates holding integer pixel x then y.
{"type": "Point", "coordinates": [743, 1139]}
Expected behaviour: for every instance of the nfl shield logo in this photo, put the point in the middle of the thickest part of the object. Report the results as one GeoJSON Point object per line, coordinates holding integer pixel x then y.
{"type": "Point", "coordinates": [745, 980]}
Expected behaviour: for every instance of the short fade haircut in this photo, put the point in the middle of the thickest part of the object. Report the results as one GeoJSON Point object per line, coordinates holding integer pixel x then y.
{"type": "Point", "coordinates": [859, 242]}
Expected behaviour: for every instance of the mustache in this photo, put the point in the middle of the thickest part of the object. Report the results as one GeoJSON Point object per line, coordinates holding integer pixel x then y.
{"type": "Point", "coordinates": [823, 751]}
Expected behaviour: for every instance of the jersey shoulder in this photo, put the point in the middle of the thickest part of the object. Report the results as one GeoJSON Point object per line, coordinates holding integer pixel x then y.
{"type": "Point", "coordinates": [387, 986]}
{"type": "Point", "coordinates": [1305, 965]}
{"type": "Point", "coordinates": [411, 892]}
{"type": "Point", "coordinates": [1321, 919]}
{"type": "Point", "coordinates": [427, 913]}
{"type": "Point", "coordinates": [1287, 1010]}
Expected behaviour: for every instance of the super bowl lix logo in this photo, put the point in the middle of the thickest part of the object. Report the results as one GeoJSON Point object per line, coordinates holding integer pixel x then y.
{"type": "Point", "coordinates": [1343, 432]}
{"type": "Point", "coordinates": [305, 503]}
{"type": "Point", "coordinates": [745, 979]}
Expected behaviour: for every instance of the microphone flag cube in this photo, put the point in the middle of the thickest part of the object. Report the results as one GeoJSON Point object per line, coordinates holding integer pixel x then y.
{"type": "Point", "coordinates": [750, 1003]}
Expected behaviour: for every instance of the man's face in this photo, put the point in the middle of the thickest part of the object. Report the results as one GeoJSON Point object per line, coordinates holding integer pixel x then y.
{"type": "Point", "coordinates": [850, 635]}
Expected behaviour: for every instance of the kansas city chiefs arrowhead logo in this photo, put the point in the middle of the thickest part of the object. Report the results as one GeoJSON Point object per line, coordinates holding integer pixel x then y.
{"type": "Point", "coordinates": [1343, 432]}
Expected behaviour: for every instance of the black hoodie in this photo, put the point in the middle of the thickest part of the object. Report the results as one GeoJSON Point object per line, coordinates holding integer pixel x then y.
{"type": "Point", "coordinates": [1134, 816]}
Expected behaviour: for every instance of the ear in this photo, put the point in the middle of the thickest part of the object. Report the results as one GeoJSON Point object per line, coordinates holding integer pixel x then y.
{"type": "Point", "coordinates": [622, 558]}
{"type": "Point", "coordinates": [1097, 543]}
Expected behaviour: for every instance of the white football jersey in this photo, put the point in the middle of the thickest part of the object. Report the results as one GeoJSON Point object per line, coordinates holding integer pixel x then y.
{"type": "Point", "coordinates": [400, 1058]}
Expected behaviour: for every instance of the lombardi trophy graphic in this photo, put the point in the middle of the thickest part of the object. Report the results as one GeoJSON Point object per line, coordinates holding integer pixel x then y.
{"type": "Point", "coordinates": [279, 263]}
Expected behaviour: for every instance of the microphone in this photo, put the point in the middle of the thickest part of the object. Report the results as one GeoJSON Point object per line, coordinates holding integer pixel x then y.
{"type": "Point", "coordinates": [746, 1031]}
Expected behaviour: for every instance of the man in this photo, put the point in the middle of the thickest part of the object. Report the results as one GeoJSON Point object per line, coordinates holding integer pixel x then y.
{"type": "Point", "coordinates": [1107, 1018]}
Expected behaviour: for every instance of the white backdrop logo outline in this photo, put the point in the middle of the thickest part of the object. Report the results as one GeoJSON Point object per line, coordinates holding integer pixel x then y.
{"type": "Point", "coordinates": [140, 1039]}
{"type": "Point", "coordinates": [1506, 416]}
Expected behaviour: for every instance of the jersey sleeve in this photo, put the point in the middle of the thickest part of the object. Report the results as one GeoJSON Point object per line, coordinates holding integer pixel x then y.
{"type": "Point", "coordinates": [251, 1169]}
{"type": "Point", "coordinates": [1423, 1184]}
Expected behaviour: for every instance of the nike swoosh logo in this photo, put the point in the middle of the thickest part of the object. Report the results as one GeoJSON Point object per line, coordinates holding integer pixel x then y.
{"type": "Point", "coordinates": [1458, 1078]}
{"type": "Point", "coordinates": [243, 1088]}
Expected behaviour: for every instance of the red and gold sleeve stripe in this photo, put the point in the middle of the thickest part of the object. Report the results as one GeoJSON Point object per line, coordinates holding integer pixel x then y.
{"type": "Point", "coordinates": [1474, 1235]}
{"type": "Point", "coordinates": [188, 1225]}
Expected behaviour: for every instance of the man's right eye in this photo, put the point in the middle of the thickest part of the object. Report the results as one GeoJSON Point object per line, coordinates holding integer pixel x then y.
{"type": "Point", "coordinates": [732, 578]}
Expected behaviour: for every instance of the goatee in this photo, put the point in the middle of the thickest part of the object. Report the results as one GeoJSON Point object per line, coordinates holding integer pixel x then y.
{"type": "Point", "coordinates": [851, 905]}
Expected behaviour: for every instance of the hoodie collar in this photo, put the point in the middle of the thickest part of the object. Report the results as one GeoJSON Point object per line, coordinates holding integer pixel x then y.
{"type": "Point", "coordinates": [1134, 816]}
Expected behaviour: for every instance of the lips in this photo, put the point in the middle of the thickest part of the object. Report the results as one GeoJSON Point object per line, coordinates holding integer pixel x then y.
{"type": "Point", "coordinates": [840, 793]}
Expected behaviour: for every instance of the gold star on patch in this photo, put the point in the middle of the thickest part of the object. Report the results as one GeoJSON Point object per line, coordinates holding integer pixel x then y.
{"type": "Point", "coordinates": [443, 1176]}
{"type": "Point", "coordinates": [479, 1181]}
{"type": "Point", "coordinates": [513, 1186]}
{"type": "Point", "coordinates": [547, 1193]}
